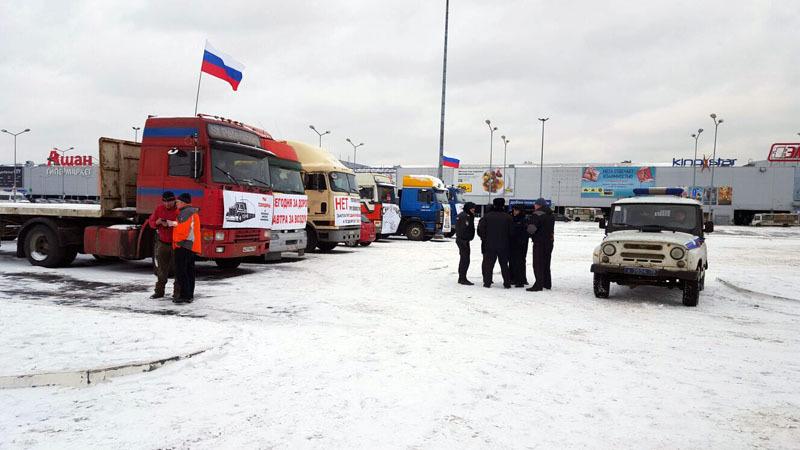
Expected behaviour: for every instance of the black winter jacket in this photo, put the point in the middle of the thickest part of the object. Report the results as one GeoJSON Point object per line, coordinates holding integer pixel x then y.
{"type": "Point", "coordinates": [465, 226]}
{"type": "Point", "coordinates": [544, 221]}
{"type": "Point", "coordinates": [519, 235]}
{"type": "Point", "coordinates": [495, 230]}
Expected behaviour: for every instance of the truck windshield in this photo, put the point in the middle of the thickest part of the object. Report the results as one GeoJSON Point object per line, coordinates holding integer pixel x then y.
{"type": "Point", "coordinates": [386, 194]}
{"type": "Point", "coordinates": [234, 165]}
{"type": "Point", "coordinates": [441, 197]}
{"type": "Point", "coordinates": [343, 182]}
{"type": "Point", "coordinates": [286, 180]}
{"type": "Point", "coordinates": [458, 196]}
{"type": "Point", "coordinates": [657, 216]}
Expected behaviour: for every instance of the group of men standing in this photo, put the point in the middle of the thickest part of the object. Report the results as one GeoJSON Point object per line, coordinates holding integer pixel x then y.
{"type": "Point", "coordinates": [504, 238]}
{"type": "Point", "coordinates": [177, 226]}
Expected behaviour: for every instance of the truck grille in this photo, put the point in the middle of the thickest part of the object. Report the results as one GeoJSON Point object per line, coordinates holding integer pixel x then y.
{"type": "Point", "coordinates": [246, 235]}
{"type": "Point", "coordinates": [642, 257]}
{"type": "Point", "coordinates": [656, 247]}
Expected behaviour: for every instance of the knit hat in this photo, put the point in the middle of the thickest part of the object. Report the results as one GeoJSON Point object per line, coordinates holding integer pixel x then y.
{"type": "Point", "coordinates": [168, 196]}
{"type": "Point", "coordinates": [499, 202]}
{"type": "Point", "coordinates": [541, 202]}
{"type": "Point", "coordinates": [185, 197]}
{"type": "Point", "coordinates": [468, 206]}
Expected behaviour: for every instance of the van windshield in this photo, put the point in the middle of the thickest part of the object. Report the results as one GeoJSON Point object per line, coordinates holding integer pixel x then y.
{"type": "Point", "coordinates": [240, 166]}
{"type": "Point", "coordinates": [657, 217]}
{"type": "Point", "coordinates": [343, 182]}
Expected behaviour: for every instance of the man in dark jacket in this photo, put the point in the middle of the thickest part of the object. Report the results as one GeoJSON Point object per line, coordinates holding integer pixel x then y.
{"type": "Point", "coordinates": [494, 229]}
{"type": "Point", "coordinates": [541, 228]}
{"type": "Point", "coordinates": [465, 232]}
{"type": "Point", "coordinates": [519, 246]}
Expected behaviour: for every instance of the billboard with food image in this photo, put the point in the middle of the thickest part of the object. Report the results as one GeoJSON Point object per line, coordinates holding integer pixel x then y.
{"type": "Point", "coordinates": [615, 182]}
{"type": "Point", "coordinates": [483, 181]}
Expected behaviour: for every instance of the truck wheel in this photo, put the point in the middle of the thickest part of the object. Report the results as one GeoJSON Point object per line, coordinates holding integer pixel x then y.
{"type": "Point", "coordinates": [311, 240]}
{"type": "Point", "coordinates": [365, 244]}
{"type": "Point", "coordinates": [415, 232]}
{"type": "Point", "coordinates": [602, 287]}
{"type": "Point", "coordinates": [69, 256]}
{"type": "Point", "coordinates": [326, 246]}
{"type": "Point", "coordinates": [577, 219]}
{"type": "Point", "coordinates": [42, 248]}
{"type": "Point", "coordinates": [691, 292]}
{"type": "Point", "coordinates": [228, 263]}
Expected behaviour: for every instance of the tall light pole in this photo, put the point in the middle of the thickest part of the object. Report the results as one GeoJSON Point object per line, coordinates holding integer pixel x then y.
{"type": "Point", "coordinates": [491, 142]}
{"type": "Point", "coordinates": [444, 85]}
{"type": "Point", "coordinates": [717, 121]}
{"type": "Point", "coordinates": [320, 134]}
{"type": "Point", "coordinates": [696, 136]}
{"type": "Point", "coordinates": [541, 158]}
{"type": "Point", "coordinates": [14, 170]}
{"type": "Point", "coordinates": [505, 156]}
{"type": "Point", "coordinates": [354, 149]}
{"type": "Point", "coordinates": [63, 170]}
{"type": "Point", "coordinates": [136, 133]}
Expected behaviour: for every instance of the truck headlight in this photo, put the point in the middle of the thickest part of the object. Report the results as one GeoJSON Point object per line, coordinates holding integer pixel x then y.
{"type": "Point", "coordinates": [266, 234]}
{"type": "Point", "coordinates": [219, 236]}
{"type": "Point", "coordinates": [609, 249]}
{"type": "Point", "coordinates": [677, 253]}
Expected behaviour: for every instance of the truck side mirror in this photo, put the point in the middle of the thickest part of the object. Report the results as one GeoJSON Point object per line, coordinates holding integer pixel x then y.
{"type": "Point", "coordinates": [708, 227]}
{"type": "Point", "coordinates": [602, 223]}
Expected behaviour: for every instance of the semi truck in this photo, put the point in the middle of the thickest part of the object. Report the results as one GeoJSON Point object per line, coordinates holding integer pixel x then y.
{"type": "Point", "coordinates": [455, 195]}
{"type": "Point", "coordinates": [379, 202]}
{"type": "Point", "coordinates": [424, 208]}
{"type": "Point", "coordinates": [334, 208]}
{"type": "Point", "coordinates": [217, 161]}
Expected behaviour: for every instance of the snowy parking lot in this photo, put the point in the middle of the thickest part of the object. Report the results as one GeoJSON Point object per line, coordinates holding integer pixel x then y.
{"type": "Point", "coordinates": [379, 347]}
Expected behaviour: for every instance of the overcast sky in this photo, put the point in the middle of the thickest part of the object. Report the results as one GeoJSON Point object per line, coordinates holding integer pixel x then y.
{"type": "Point", "coordinates": [618, 79]}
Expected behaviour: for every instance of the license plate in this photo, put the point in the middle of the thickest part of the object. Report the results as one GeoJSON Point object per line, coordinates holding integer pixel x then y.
{"type": "Point", "coordinates": [291, 242]}
{"type": "Point", "coordinates": [249, 249]}
{"type": "Point", "coordinates": [639, 271]}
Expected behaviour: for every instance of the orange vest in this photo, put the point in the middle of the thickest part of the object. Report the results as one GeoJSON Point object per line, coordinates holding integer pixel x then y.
{"type": "Point", "coordinates": [186, 233]}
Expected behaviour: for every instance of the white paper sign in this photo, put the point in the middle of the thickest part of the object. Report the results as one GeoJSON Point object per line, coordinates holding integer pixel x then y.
{"type": "Point", "coordinates": [391, 218]}
{"type": "Point", "coordinates": [246, 210]}
{"type": "Point", "coordinates": [446, 225]}
{"type": "Point", "coordinates": [290, 212]}
{"type": "Point", "coordinates": [347, 211]}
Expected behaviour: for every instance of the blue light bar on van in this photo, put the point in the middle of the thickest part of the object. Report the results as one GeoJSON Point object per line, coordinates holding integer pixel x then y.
{"type": "Point", "coordinates": [676, 191]}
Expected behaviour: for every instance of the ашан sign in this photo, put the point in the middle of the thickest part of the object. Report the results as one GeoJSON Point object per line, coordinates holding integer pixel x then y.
{"type": "Point", "coordinates": [784, 153]}
{"type": "Point", "coordinates": [57, 159]}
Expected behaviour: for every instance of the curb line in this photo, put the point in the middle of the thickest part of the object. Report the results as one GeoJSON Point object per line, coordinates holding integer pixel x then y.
{"type": "Point", "coordinates": [750, 291]}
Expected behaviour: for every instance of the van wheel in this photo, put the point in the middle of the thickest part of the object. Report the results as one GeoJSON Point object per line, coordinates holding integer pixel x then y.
{"type": "Point", "coordinates": [577, 219]}
{"type": "Point", "coordinates": [42, 248]}
{"type": "Point", "coordinates": [602, 286]}
{"type": "Point", "coordinates": [228, 263]}
{"type": "Point", "coordinates": [326, 246]}
{"type": "Point", "coordinates": [415, 232]}
{"type": "Point", "coordinates": [691, 292]}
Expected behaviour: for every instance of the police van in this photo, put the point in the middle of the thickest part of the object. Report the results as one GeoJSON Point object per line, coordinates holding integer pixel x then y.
{"type": "Point", "coordinates": [656, 238]}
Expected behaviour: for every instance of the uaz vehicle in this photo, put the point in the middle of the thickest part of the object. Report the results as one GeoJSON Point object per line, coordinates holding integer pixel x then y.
{"type": "Point", "coordinates": [653, 240]}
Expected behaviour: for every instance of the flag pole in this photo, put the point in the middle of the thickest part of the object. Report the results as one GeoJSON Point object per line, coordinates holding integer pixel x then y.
{"type": "Point", "coordinates": [197, 97]}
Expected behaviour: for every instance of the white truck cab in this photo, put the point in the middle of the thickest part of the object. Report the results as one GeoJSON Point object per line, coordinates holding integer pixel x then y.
{"type": "Point", "coordinates": [653, 240]}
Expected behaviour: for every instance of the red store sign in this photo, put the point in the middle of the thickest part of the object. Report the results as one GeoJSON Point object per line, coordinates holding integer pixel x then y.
{"type": "Point", "coordinates": [784, 153]}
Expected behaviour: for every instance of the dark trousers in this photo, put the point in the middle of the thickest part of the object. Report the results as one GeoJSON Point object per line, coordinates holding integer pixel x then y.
{"type": "Point", "coordinates": [542, 251]}
{"type": "Point", "coordinates": [519, 252]}
{"type": "Point", "coordinates": [463, 261]}
{"type": "Point", "coordinates": [164, 262]}
{"type": "Point", "coordinates": [184, 272]}
{"type": "Point", "coordinates": [490, 256]}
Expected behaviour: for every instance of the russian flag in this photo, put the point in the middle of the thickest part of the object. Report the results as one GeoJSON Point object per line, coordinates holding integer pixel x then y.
{"type": "Point", "coordinates": [450, 162]}
{"type": "Point", "coordinates": [222, 66]}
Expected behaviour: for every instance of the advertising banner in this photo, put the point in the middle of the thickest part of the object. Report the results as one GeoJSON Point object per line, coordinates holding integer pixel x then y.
{"type": "Point", "coordinates": [720, 195]}
{"type": "Point", "coordinates": [483, 181]}
{"type": "Point", "coordinates": [784, 153]}
{"type": "Point", "coordinates": [391, 218]}
{"type": "Point", "coordinates": [447, 224]}
{"type": "Point", "coordinates": [615, 182]}
{"type": "Point", "coordinates": [347, 211]}
{"type": "Point", "coordinates": [290, 212]}
{"type": "Point", "coordinates": [246, 210]}
{"type": "Point", "coordinates": [7, 174]}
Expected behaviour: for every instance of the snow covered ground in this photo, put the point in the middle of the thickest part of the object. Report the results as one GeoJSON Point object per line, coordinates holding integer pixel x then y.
{"type": "Point", "coordinates": [379, 347]}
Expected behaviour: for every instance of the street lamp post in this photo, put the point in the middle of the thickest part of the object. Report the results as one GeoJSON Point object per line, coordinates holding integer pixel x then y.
{"type": "Point", "coordinates": [491, 142]}
{"type": "Point", "coordinates": [541, 159]}
{"type": "Point", "coordinates": [136, 133]}
{"type": "Point", "coordinates": [717, 121]}
{"type": "Point", "coordinates": [505, 155]}
{"type": "Point", "coordinates": [354, 149]}
{"type": "Point", "coordinates": [444, 85]}
{"type": "Point", "coordinates": [14, 170]}
{"type": "Point", "coordinates": [320, 134]}
{"type": "Point", "coordinates": [696, 136]}
{"type": "Point", "coordinates": [63, 170]}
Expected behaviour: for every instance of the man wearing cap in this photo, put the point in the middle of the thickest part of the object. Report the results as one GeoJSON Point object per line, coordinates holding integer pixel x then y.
{"type": "Point", "coordinates": [186, 242]}
{"type": "Point", "coordinates": [519, 247]}
{"type": "Point", "coordinates": [494, 229]}
{"type": "Point", "coordinates": [162, 251]}
{"type": "Point", "coordinates": [541, 228]}
{"type": "Point", "coordinates": [465, 232]}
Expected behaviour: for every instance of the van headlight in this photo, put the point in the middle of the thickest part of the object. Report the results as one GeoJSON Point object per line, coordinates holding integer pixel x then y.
{"type": "Point", "coordinates": [677, 253]}
{"type": "Point", "coordinates": [609, 249]}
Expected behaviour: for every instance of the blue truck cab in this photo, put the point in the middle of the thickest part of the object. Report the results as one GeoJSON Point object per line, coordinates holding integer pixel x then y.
{"type": "Point", "coordinates": [455, 196]}
{"type": "Point", "coordinates": [424, 208]}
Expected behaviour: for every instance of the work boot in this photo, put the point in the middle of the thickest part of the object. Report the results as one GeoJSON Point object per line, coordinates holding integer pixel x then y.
{"type": "Point", "coordinates": [157, 295]}
{"type": "Point", "coordinates": [519, 285]}
{"type": "Point", "coordinates": [487, 285]}
{"type": "Point", "coordinates": [534, 288]}
{"type": "Point", "coordinates": [465, 282]}
{"type": "Point", "coordinates": [507, 285]}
